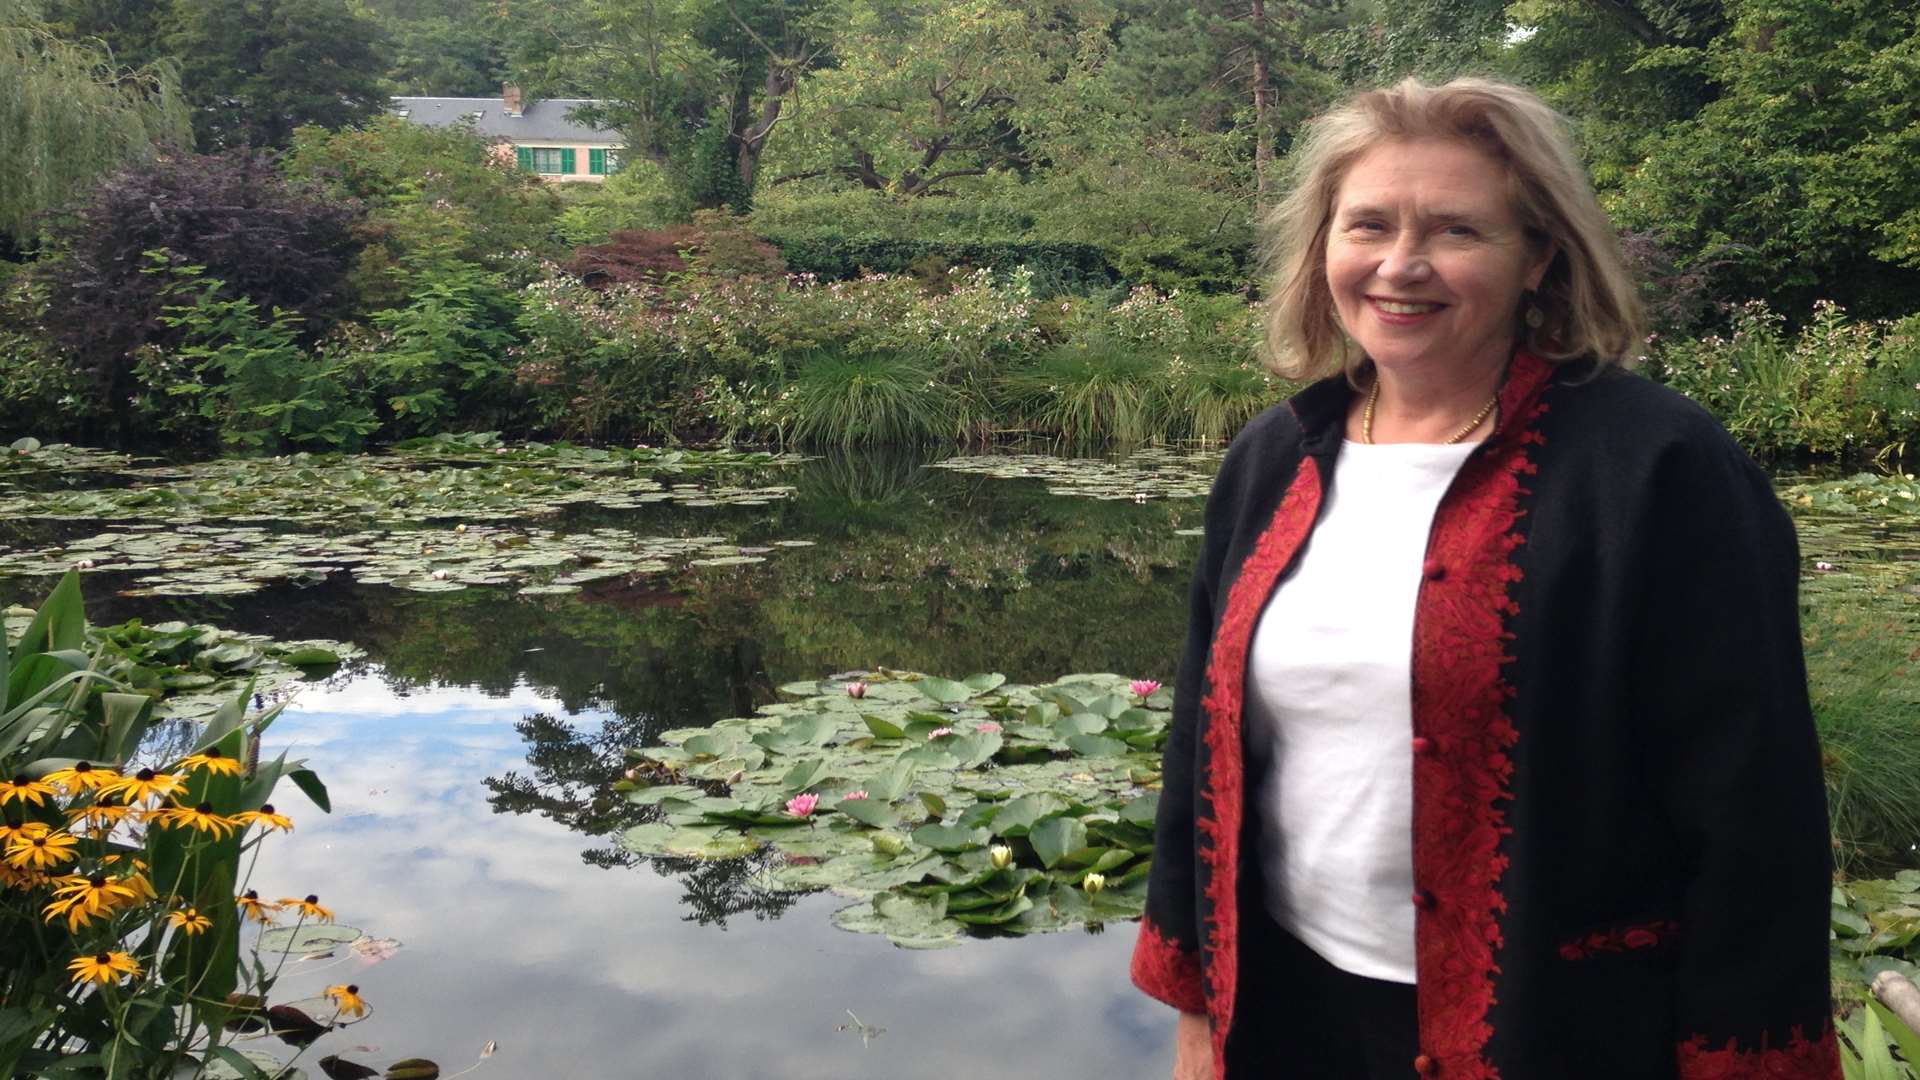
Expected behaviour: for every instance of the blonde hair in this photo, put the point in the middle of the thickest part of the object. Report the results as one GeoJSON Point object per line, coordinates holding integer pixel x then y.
{"type": "Point", "coordinates": [1591, 308]}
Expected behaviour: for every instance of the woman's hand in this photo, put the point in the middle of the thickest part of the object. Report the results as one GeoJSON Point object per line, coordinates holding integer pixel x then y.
{"type": "Point", "coordinates": [1193, 1047]}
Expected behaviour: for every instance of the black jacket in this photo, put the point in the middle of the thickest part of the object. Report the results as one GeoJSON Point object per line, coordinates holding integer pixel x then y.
{"type": "Point", "coordinates": [1619, 828]}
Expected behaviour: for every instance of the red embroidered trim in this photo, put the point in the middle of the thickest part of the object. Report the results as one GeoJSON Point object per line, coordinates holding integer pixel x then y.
{"type": "Point", "coordinates": [1459, 706]}
{"type": "Point", "coordinates": [1798, 1060]}
{"type": "Point", "coordinates": [1621, 939]}
{"type": "Point", "coordinates": [1218, 815]}
{"type": "Point", "coordinates": [1166, 971]}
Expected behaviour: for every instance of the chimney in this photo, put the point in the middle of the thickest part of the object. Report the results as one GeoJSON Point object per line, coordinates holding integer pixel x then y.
{"type": "Point", "coordinates": [510, 98]}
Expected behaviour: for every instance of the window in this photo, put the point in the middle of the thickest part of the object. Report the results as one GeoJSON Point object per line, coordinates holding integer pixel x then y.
{"type": "Point", "coordinates": [546, 159]}
{"type": "Point", "coordinates": [603, 162]}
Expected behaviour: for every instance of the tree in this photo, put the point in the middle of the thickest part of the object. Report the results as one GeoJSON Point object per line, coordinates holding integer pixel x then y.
{"type": "Point", "coordinates": [918, 95]}
{"type": "Point", "coordinates": [132, 31]}
{"type": "Point", "coordinates": [255, 70]}
{"type": "Point", "coordinates": [69, 114]}
{"type": "Point", "coordinates": [443, 48]}
{"type": "Point", "coordinates": [697, 87]}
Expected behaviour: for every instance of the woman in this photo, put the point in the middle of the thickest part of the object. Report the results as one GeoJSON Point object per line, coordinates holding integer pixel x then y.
{"type": "Point", "coordinates": [1491, 752]}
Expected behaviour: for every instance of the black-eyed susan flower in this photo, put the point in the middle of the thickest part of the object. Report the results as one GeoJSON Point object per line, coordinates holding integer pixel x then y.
{"type": "Point", "coordinates": [212, 761]}
{"type": "Point", "coordinates": [82, 776]}
{"type": "Point", "coordinates": [27, 790]}
{"type": "Point", "coordinates": [23, 880]}
{"type": "Point", "coordinates": [188, 921]}
{"type": "Point", "coordinates": [98, 817]}
{"type": "Point", "coordinates": [201, 818]}
{"type": "Point", "coordinates": [265, 817]}
{"type": "Point", "coordinates": [103, 968]}
{"type": "Point", "coordinates": [252, 907]}
{"type": "Point", "coordinates": [346, 999]}
{"type": "Point", "coordinates": [83, 899]}
{"type": "Point", "coordinates": [144, 785]}
{"type": "Point", "coordinates": [40, 850]}
{"type": "Point", "coordinates": [308, 908]}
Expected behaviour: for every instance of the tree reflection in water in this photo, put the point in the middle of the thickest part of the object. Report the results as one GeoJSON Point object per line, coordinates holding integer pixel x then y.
{"type": "Point", "coordinates": [570, 778]}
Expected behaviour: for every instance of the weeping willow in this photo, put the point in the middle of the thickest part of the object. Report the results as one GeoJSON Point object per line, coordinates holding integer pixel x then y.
{"type": "Point", "coordinates": [69, 114]}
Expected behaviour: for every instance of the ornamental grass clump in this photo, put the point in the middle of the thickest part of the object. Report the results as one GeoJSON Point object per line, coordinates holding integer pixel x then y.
{"type": "Point", "coordinates": [122, 881]}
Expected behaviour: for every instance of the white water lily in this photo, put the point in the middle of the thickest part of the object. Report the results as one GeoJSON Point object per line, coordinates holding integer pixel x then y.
{"type": "Point", "coordinates": [1093, 883]}
{"type": "Point", "coordinates": [1000, 855]}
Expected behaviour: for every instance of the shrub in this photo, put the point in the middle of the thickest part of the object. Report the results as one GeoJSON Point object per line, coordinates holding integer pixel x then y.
{"type": "Point", "coordinates": [439, 361]}
{"type": "Point", "coordinates": [638, 197]}
{"type": "Point", "coordinates": [715, 244]}
{"type": "Point", "coordinates": [274, 244]}
{"type": "Point", "coordinates": [596, 364]}
{"type": "Point", "coordinates": [1813, 391]}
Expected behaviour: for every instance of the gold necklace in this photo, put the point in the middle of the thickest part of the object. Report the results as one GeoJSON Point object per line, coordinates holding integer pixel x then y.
{"type": "Point", "coordinates": [1373, 396]}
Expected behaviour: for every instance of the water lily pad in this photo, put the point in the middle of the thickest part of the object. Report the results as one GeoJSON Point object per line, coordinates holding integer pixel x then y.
{"type": "Point", "coordinates": [306, 940]}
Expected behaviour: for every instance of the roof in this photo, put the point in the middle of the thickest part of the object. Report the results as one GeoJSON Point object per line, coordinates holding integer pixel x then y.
{"type": "Point", "coordinates": [540, 121]}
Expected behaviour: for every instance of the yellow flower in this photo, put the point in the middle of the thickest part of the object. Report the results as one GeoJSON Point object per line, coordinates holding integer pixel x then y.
{"type": "Point", "coordinates": [252, 907]}
{"type": "Point", "coordinates": [97, 820]}
{"type": "Point", "coordinates": [27, 790]}
{"type": "Point", "coordinates": [103, 968]}
{"type": "Point", "coordinates": [81, 899]}
{"type": "Point", "coordinates": [346, 999]}
{"type": "Point", "coordinates": [40, 850]}
{"type": "Point", "coordinates": [265, 818]}
{"type": "Point", "coordinates": [213, 761]}
{"type": "Point", "coordinates": [309, 908]}
{"type": "Point", "coordinates": [24, 880]}
{"type": "Point", "coordinates": [82, 776]}
{"type": "Point", "coordinates": [145, 784]}
{"type": "Point", "coordinates": [188, 922]}
{"type": "Point", "coordinates": [199, 817]}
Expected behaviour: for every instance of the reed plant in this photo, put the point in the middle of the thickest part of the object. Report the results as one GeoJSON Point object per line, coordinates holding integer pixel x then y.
{"type": "Point", "coordinates": [1092, 391]}
{"type": "Point", "coordinates": [836, 398]}
{"type": "Point", "coordinates": [1213, 398]}
{"type": "Point", "coordinates": [1861, 664]}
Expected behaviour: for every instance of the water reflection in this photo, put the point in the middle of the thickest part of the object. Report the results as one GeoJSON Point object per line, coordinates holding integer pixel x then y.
{"type": "Point", "coordinates": [509, 935]}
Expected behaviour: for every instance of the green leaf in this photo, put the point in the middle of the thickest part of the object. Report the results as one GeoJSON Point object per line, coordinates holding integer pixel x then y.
{"type": "Point", "coordinates": [1018, 815]}
{"type": "Point", "coordinates": [1143, 810]}
{"type": "Point", "coordinates": [935, 805]}
{"type": "Point", "coordinates": [870, 811]}
{"type": "Point", "coordinates": [309, 783]}
{"type": "Point", "coordinates": [882, 728]}
{"type": "Point", "coordinates": [944, 691]}
{"type": "Point", "coordinates": [949, 838]}
{"type": "Point", "coordinates": [1096, 746]}
{"type": "Point", "coordinates": [1903, 1036]}
{"type": "Point", "coordinates": [980, 684]}
{"type": "Point", "coordinates": [1053, 838]}
{"type": "Point", "coordinates": [805, 775]}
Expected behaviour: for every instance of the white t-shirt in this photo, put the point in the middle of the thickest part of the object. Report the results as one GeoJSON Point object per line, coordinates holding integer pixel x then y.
{"type": "Point", "coordinates": [1329, 691]}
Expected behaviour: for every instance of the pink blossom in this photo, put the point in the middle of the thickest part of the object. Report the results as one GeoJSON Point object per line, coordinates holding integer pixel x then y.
{"type": "Point", "coordinates": [802, 805]}
{"type": "Point", "coordinates": [937, 732]}
{"type": "Point", "coordinates": [987, 727]}
{"type": "Point", "coordinates": [1143, 687]}
{"type": "Point", "coordinates": [851, 796]}
{"type": "Point", "coordinates": [856, 689]}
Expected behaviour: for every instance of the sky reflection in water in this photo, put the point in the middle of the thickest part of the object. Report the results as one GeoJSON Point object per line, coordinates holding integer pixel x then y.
{"type": "Point", "coordinates": [579, 971]}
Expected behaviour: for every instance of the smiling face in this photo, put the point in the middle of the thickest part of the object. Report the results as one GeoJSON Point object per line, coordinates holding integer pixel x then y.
{"type": "Point", "coordinates": [1427, 259]}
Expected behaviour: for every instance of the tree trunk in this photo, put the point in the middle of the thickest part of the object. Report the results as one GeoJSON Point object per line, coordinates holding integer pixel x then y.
{"type": "Point", "coordinates": [1262, 107]}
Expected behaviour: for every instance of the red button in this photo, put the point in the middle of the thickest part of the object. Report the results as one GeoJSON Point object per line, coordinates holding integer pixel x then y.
{"type": "Point", "coordinates": [1422, 745]}
{"type": "Point", "coordinates": [1423, 900]}
{"type": "Point", "coordinates": [1425, 1065]}
{"type": "Point", "coordinates": [1433, 569]}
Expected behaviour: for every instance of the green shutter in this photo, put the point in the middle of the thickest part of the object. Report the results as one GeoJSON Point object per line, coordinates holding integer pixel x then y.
{"type": "Point", "coordinates": [597, 161]}
{"type": "Point", "coordinates": [524, 155]}
{"type": "Point", "coordinates": [566, 162]}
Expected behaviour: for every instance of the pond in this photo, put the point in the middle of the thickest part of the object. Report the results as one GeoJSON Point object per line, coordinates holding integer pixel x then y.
{"type": "Point", "coordinates": [472, 751]}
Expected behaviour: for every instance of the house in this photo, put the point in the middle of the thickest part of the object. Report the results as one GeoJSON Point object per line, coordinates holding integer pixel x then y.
{"type": "Point", "coordinates": [538, 136]}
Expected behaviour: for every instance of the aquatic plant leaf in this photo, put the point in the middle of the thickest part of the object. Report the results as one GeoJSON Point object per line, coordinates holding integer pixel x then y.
{"type": "Point", "coordinates": [1019, 814]}
{"type": "Point", "coordinates": [306, 940]}
{"type": "Point", "coordinates": [1096, 746]}
{"type": "Point", "coordinates": [944, 691]}
{"type": "Point", "coordinates": [1143, 810]}
{"type": "Point", "coordinates": [294, 1027]}
{"type": "Point", "coordinates": [870, 811]}
{"type": "Point", "coordinates": [884, 729]}
{"type": "Point", "coordinates": [805, 774]}
{"type": "Point", "coordinates": [980, 684]}
{"type": "Point", "coordinates": [413, 1069]}
{"type": "Point", "coordinates": [1054, 837]}
{"type": "Point", "coordinates": [949, 838]}
{"type": "Point", "coordinates": [339, 1068]}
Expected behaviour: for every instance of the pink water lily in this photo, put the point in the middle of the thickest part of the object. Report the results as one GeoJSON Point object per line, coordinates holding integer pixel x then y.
{"type": "Point", "coordinates": [802, 805]}
{"type": "Point", "coordinates": [856, 689]}
{"type": "Point", "coordinates": [1143, 687]}
{"type": "Point", "coordinates": [986, 727]}
{"type": "Point", "coordinates": [853, 795]}
{"type": "Point", "coordinates": [937, 732]}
